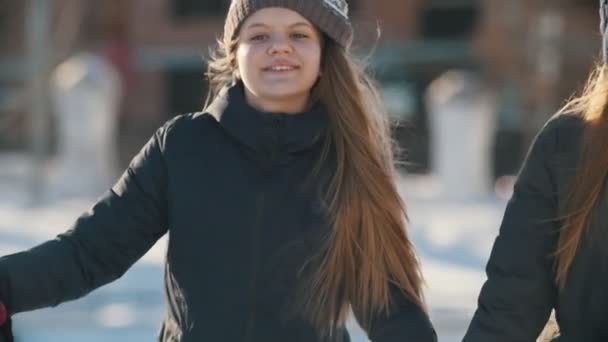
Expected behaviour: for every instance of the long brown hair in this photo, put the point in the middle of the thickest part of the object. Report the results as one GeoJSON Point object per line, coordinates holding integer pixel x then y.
{"type": "Point", "coordinates": [368, 252]}
{"type": "Point", "coordinates": [586, 189]}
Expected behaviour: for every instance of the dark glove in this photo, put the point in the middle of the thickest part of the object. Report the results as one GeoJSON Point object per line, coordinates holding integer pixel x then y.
{"type": "Point", "coordinates": [6, 331]}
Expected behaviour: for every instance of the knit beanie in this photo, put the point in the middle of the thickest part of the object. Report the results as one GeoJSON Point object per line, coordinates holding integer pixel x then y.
{"type": "Point", "coordinates": [330, 16]}
{"type": "Point", "coordinates": [604, 28]}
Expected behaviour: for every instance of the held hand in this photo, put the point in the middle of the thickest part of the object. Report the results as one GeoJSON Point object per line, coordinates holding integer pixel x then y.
{"type": "Point", "coordinates": [6, 334]}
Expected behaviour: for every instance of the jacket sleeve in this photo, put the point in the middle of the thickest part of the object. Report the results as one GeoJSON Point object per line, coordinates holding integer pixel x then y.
{"type": "Point", "coordinates": [406, 322]}
{"type": "Point", "coordinates": [100, 246]}
{"type": "Point", "coordinates": [519, 293]}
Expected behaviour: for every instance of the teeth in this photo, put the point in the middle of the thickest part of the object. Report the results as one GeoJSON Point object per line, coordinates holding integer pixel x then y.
{"type": "Point", "coordinates": [282, 68]}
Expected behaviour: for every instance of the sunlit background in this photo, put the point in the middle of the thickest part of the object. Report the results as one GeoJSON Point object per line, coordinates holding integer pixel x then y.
{"type": "Point", "coordinates": [83, 84]}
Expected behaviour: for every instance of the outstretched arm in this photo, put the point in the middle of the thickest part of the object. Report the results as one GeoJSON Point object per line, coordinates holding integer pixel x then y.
{"type": "Point", "coordinates": [102, 244]}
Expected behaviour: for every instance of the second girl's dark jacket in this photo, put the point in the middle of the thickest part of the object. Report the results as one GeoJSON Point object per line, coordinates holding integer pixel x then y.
{"type": "Point", "coordinates": [229, 186]}
{"type": "Point", "coordinates": [520, 292]}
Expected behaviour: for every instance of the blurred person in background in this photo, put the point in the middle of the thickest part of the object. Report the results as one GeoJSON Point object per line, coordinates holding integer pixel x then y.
{"type": "Point", "coordinates": [550, 253]}
{"type": "Point", "coordinates": [280, 199]}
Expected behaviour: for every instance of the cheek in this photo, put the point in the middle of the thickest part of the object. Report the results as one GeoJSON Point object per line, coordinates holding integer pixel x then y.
{"type": "Point", "coordinates": [314, 56]}
{"type": "Point", "coordinates": [241, 59]}
{"type": "Point", "coordinates": [245, 59]}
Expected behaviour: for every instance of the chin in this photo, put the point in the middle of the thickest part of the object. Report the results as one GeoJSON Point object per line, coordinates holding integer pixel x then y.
{"type": "Point", "coordinates": [284, 93]}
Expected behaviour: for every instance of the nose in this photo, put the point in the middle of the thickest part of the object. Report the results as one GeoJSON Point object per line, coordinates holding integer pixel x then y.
{"type": "Point", "coordinates": [280, 45]}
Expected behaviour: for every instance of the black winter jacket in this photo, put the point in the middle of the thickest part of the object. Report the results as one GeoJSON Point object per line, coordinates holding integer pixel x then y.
{"type": "Point", "coordinates": [520, 292]}
{"type": "Point", "coordinates": [230, 186]}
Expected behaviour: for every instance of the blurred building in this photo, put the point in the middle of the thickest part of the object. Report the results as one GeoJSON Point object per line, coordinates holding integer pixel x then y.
{"type": "Point", "coordinates": [533, 52]}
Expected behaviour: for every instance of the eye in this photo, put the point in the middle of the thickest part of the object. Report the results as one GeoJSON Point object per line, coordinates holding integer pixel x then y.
{"type": "Point", "coordinates": [259, 37]}
{"type": "Point", "coordinates": [299, 35]}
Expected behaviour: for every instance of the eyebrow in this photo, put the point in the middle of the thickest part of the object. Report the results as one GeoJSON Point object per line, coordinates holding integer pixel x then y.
{"type": "Point", "coordinates": [254, 25]}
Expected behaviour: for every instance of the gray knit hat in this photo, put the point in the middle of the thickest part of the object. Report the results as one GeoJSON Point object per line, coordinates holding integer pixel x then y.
{"type": "Point", "coordinates": [330, 16]}
{"type": "Point", "coordinates": [604, 28]}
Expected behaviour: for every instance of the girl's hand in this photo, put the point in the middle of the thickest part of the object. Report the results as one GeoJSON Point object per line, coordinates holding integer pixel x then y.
{"type": "Point", "coordinates": [6, 333]}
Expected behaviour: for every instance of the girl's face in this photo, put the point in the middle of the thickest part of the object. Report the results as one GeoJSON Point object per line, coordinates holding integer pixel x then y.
{"type": "Point", "coordinates": [278, 59]}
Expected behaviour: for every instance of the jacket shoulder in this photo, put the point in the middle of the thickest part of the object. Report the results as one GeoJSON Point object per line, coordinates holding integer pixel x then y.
{"type": "Point", "coordinates": [187, 128]}
{"type": "Point", "coordinates": [559, 138]}
{"type": "Point", "coordinates": [198, 120]}
{"type": "Point", "coordinates": [565, 129]}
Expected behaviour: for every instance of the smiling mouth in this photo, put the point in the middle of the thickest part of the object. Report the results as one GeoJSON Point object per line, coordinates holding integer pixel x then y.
{"type": "Point", "coordinates": [281, 68]}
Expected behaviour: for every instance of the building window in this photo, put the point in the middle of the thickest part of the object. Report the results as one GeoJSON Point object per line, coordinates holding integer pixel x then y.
{"type": "Point", "coordinates": [449, 22]}
{"type": "Point", "coordinates": [593, 4]}
{"type": "Point", "coordinates": [200, 8]}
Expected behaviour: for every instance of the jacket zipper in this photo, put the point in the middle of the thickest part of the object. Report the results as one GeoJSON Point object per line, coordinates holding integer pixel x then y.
{"type": "Point", "coordinates": [255, 251]}
{"type": "Point", "coordinates": [256, 239]}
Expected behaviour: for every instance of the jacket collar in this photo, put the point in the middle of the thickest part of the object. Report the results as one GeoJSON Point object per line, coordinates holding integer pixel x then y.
{"type": "Point", "coordinates": [263, 131]}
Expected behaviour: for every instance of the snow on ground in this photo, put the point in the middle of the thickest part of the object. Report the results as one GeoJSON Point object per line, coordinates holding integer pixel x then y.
{"type": "Point", "coordinates": [452, 238]}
